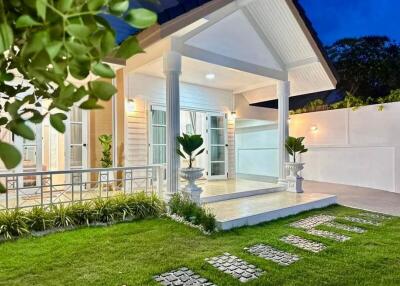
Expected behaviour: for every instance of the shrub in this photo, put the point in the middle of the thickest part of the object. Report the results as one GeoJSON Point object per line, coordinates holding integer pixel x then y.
{"type": "Point", "coordinates": [190, 211]}
{"type": "Point", "coordinates": [17, 223]}
{"type": "Point", "coordinates": [61, 215]}
{"type": "Point", "coordinates": [39, 219]}
{"type": "Point", "coordinates": [13, 223]}
{"type": "Point", "coordinates": [142, 205]}
{"type": "Point", "coordinates": [81, 213]}
{"type": "Point", "coordinates": [103, 211]}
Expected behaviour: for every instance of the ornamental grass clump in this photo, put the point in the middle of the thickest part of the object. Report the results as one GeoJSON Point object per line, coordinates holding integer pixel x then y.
{"type": "Point", "coordinates": [13, 223]}
{"type": "Point", "coordinates": [183, 207]}
{"type": "Point", "coordinates": [17, 223]}
{"type": "Point", "coordinates": [39, 219]}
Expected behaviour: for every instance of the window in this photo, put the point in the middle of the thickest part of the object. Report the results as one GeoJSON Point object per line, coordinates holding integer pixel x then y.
{"type": "Point", "coordinates": [159, 136]}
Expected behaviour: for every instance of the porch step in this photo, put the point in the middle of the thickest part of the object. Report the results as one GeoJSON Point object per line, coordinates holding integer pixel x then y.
{"type": "Point", "coordinates": [241, 194]}
{"type": "Point", "coordinates": [256, 209]}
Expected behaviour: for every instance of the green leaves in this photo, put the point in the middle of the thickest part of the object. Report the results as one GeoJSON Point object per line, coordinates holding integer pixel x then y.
{"type": "Point", "coordinates": [56, 120]}
{"type": "Point", "coordinates": [141, 18]}
{"type": "Point", "coordinates": [129, 48]}
{"type": "Point", "coordinates": [103, 70]}
{"type": "Point", "coordinates": [295, 145]}
{"type": "Point", "coordinates": [41, 8]}
{"type": "Point", "coordinates": [6, 37]}
{"type": "Point", "coordinates": [78, 31]}
{"type": "Point", "coordinates": [20, 128]}
{"type": "Point", "coordinates": [26, 21]}
{"type": "Point", "coordinates": [102, 90]}
{"type": "Point", "coordinates": [50, 41]}
{"type": "Point", "coordinates": [9, 155]}
{"type": "Point", "coordinates": [190, 143]}
{"type": "Point", "coordinates": [95, 5]}
{"type": "Point", "coordinates": [119, 7]}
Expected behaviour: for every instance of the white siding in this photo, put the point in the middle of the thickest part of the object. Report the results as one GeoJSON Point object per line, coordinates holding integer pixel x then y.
{"type": "Point", "coordinates": [147, 91]}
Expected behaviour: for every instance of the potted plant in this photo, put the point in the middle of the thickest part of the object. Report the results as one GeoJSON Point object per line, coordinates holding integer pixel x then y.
{"type": "Point", "coordinates": [106, 159]}
{"type": "Point", "coordinates": [295, 146]}
{"type": "Point", "coordinates": [190, 144]}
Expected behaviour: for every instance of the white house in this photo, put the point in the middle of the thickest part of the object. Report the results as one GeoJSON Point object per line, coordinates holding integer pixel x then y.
{"type": "Point", "coordinates": [199, 74]}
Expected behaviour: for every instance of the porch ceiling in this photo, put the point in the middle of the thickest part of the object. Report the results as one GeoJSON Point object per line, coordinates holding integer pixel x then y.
{"type": "Point", "coordinates": [195, 71]}
{"type": "Point", "coordinates": [248, 45]}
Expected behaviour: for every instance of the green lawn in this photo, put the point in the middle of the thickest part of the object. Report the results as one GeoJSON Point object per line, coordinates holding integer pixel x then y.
{"type": "Point", "coordinates": [131, 253]}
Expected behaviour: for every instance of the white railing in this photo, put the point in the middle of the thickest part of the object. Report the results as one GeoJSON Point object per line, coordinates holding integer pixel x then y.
{"type": "Point", "coordinates": [29, 189]}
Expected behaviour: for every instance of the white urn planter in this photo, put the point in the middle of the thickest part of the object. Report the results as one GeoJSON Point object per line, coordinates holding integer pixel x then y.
{"type": "Point", "coordinates": [191, 189]}
{"type": "Point", "coordinates": [294, 180]}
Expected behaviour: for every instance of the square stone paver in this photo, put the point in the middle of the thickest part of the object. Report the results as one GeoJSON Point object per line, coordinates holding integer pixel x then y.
{"type": "Point", "coordinates": [269, 253]}
{"type": "Point", "coordinates": [312, 221]}
{"type": "Point", "coordinates": [182, 277]}
{"type": "Point", "coordinates": [303, 243]}
{"type": "Point", "coordinates": [361, 220]}
{"type": "Point", "coordinates": [235, 266]}
{"type": "Point", "coordinates": [328, 234]}
{"type": "Point", "coordinates": [375, 216]}
{"type": "Point", "coordinates": [345, 227]}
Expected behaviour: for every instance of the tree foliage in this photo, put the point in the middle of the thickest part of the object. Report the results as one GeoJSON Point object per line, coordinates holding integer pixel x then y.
{"type": "Point", "coordinates": [45, 47]}
{"type": "Point", "coordinates": [368, 67]}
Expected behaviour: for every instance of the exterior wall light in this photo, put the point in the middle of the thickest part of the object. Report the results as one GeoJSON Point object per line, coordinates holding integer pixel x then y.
{"type": "Point", "coordinates": [314, 128]}
{"type": "Point", "coordinates": [131, 105]}
{"type": "Point", "coordinates": [210, 76]}
{"type": "Point", "coordinates": [233, 115]}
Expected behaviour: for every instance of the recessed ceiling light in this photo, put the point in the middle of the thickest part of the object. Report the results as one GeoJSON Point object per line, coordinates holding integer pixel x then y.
{"type": "Point", "coordinates": [210, 76]}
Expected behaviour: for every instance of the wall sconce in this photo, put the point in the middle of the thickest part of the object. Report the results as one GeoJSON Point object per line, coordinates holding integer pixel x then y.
{"type": "Point", "coordinates": [233, 115]}
{"type": "Point", "coordinates": [314, 128]}
{"type": "Point", "coordinates": [131, 105]}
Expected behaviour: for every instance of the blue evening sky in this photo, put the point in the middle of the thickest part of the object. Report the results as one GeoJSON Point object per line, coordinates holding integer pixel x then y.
{"type": "Point", "coordinates": [336, 19]}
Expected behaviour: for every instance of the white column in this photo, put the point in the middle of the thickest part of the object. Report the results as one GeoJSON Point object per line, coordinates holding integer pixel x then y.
{"type": "Point", "coordinates": [283, 92]}
{"type": "Point", "coordinates": [114, 121]}
{"type": "Point", "coordinates": [172, 70]}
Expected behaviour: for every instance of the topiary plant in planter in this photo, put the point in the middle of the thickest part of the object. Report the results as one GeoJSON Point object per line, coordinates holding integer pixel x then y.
{"type": "Point", "coordinates": [190, 146]}
{"type": "Point", "coordinates": [295, 146]}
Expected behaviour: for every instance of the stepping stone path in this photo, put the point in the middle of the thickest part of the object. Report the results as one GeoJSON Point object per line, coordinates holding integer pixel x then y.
{"type": "Point", "coordinates": [328, 234]}
{"type": "Point", "coordinates": [182, 277]}
{"type": "Point", "coordinates": [269, 253]}
{"type": "Point", "coordinates": [303, 243]}
{"type": "Point", "coordinates": [345, 227]}
{"type": "Point", "coordinates": [361, 220]}
{"type": "Point", "coordinates": [312, 221]}
{"type": "Point", "coordinates": [236, 267]}
{"type": "Point", "coordinates": [375, 216]}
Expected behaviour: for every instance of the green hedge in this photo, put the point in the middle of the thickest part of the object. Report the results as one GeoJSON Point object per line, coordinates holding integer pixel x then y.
{"type": "Point", "coordinates": [191, 212]}
{"type": "Point", "coordinates": [16, 223]}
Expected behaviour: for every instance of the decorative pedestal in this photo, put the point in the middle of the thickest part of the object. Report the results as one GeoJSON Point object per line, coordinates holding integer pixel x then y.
{"type": "Point", "coordinates": [191, 189]}
{"type": "Point", "coordinates": [294, 180]}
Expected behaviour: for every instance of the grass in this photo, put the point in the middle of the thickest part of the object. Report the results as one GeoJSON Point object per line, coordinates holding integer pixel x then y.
{"type": "Point", "coordinates": [131, 253]}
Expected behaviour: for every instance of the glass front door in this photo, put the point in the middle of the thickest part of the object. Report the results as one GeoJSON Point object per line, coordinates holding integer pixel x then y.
{"type": "Point", "coordinates": [217, 152]}
{"type": "Point", "coordinates": [76, 140]}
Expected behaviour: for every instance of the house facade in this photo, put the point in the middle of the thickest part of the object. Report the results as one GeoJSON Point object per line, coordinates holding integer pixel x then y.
{"type": "Point", "coordinates": [199, 74]}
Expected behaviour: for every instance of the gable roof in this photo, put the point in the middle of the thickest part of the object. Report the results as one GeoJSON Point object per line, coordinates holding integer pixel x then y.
{"type": "Point", "coordinates": [166, 10]}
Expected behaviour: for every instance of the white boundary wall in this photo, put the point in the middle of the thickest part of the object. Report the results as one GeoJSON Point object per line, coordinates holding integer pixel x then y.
{"type": "Point", "coordinates": [360, 147]}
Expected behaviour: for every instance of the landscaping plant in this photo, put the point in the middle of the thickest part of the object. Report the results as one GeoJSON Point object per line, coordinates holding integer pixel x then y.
{"type": "Point", "coordinates": [17, 223]}
{"type": "Point", "coordinates": [295, 146]}
{"type": "Point", "coordinates": [13, 223]}
{"type": "Point", "coordinates": [191, 212]}
{"type": "Point", "coordinates": [39, 219]}
{"type": "Point", "coordinates": [189, 144]}
{"type": "Point", "coordinates": [106, 144]}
